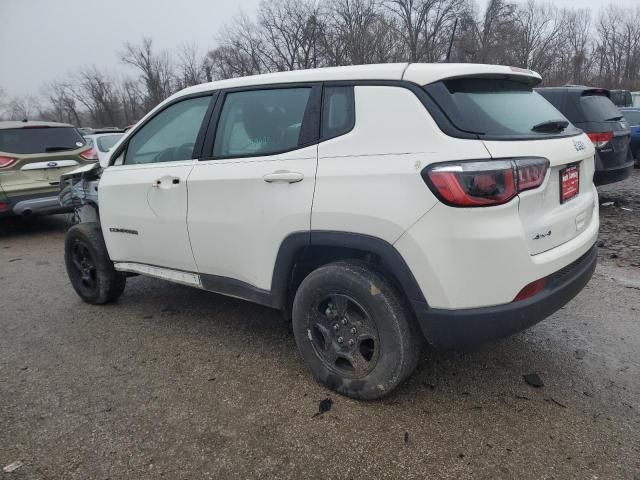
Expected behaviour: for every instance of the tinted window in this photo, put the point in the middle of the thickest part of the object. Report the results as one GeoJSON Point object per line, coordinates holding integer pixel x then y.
{"type": "Point", "coordinates": [40, 139]}
{"type": "Point", "coordinates": [105, 142]}
{"type": "Point", "coordinates": [260, 122]}
{"type": "Point", "coordinates": [633, 117]}
{"type": "Point", "coordinates": [502, 108]}
{"type": "Point", "coordinates": [170, 135]}
{"type": "Point", "coordinates": [338, 114]}
{"type": "Point", "coordinates": [621, 98]}
{"type": "Point", "coordinates": [598, 108]}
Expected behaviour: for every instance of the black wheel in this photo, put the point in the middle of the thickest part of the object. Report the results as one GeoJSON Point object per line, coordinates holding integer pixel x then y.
{"type": "Point", "coordinates": [354, 331]}
{"type": "Point", "coordinates": [88, 265]}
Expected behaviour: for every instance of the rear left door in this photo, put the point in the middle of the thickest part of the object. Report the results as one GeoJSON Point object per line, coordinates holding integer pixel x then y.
{"type": "Point", "coordinates": [255, 185]}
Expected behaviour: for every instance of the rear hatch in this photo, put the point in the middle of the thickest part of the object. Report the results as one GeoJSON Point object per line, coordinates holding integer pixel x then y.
{"type": "Point", "coordinates": [34, 157]}
{"type": "Point", "coordinates": [548, 220]}
{"type": "Point", "coordinates": [515, 122]}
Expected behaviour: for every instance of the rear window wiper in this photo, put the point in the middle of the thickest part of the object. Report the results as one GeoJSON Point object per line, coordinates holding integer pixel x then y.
{"type": "Point", "coordinates": [59, 149]}
{"type": "Point", "coordinates": [551, 126]}
{"type": "Point", "coordinates": [614, 119]}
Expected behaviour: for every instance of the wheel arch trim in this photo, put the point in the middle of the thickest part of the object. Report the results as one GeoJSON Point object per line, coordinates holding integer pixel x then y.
{"type": "Point", "coordinates": [390, 259]}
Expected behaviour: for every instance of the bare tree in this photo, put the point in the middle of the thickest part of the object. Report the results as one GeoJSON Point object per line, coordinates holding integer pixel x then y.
{"type": "Point", "coordinates": [131, 101]}
{"type": "Point", "coordinates": [155, 69]}
{"type": "Point", "coordinates": [618, 46]}
{"type": "Point", "coordinates": [239, 53]}
{"type": "Point", "coordinates": [289, 29]}
{"type": "Point", "coordinates": [490, 37]}
{"type": "Point", "coordinates": [358, 32]}
{"type": "Point", "coordinates": [98, 93]}
{"type": "Point", "coordinates": [426, 26]}
{"type": "Point", "coordinates": [574, 59]}
{"type": "Point", "coordinates": [539, 28]}
{"type": "Point", "coordinates": [563, 45]}
{"type": "Point", "coordinates": [192, 67]}
{"type": "Point", "coordinates": [23, 107]}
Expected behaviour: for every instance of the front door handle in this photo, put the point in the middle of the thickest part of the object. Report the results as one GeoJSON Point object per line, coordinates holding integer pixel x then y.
{"type": "Point", "coordinates": [166, 182]}
{"type": "Point", "coordinates": [283, 176]}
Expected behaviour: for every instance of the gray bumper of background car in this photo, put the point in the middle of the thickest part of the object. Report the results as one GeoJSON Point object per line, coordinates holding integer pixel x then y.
{"type": "Point", "coordinates": [36, 205]}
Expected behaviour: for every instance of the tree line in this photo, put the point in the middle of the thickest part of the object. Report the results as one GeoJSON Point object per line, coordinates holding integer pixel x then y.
{"type": "Point", "coordinates": [567, 45]}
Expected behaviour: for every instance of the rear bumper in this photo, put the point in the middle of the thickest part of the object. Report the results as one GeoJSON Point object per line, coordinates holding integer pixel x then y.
{"type": "Point", "coordinates": [445, 329]}
{"type": "Point", "coordinates": [607, 173]}
{"type": "Point", "coordinates": [34, 204]}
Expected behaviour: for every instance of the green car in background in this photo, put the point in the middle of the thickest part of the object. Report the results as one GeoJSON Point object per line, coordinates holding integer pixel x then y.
{"type": "Point", "coordinates": [33, 155]}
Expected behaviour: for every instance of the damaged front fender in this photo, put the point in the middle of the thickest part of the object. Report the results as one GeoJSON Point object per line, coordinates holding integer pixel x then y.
{"type": "Point", "coordinates": [79, 189]}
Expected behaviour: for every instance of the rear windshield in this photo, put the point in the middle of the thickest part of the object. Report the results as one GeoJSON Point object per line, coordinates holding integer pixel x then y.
{"type": "Point", "coordinates": [598, 108]}
{"type": "Point", "coordinates": [633, 117]}
{"type": "Point", "coordinates": [40, 139]}
{"type": "Point", "coordinates": [105, 142]}
{"type": "Point", "coordinates": [497, 108]}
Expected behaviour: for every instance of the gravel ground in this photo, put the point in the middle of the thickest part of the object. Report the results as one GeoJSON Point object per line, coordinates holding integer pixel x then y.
{"type": "Point", "coordinates": [173, 382]}
{"type": "Point", "coordinates": [620, 222]}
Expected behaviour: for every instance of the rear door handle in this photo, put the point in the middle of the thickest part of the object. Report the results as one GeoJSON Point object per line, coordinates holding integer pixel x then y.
{"type": "Point", "coordinates": [283, 176]}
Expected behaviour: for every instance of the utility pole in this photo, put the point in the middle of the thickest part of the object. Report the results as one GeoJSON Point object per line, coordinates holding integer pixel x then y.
{"type": "Point", "coordinates": [453, 36]}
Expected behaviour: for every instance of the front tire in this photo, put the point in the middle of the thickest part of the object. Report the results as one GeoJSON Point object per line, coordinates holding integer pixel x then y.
{"type": "Point", "coordinates": [354, 330]}
{"type": "Point", "coordinates": [89, 267]}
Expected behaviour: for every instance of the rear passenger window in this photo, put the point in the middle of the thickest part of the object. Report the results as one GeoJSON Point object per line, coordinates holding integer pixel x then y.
{"type": "Point", "coordinates": [260, 122]}
{"type": "Point", "coordinates": [338, 111]}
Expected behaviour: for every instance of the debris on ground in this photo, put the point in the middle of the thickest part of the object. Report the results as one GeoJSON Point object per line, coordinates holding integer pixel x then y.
{"type": "Point", "coordinates": [12, 467]}
{"type": "Point", "coordinates": [324, 406]}
{"type": "Point", "coordinates": [580, 354]}
{"type": "Point", "coordinates": [534, 380]}
{"type": "Point", "coordinates": [406, 437]}
{"type": "Point", "coordinates": [551, 399]}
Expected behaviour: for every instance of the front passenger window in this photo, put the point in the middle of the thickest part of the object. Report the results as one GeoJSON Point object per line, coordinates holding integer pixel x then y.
{"type": "Point", "coordinates": [170, 135]}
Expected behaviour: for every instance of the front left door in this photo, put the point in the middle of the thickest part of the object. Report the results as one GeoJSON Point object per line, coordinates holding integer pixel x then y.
{"type": "Point", "coordinates": [143, 197]}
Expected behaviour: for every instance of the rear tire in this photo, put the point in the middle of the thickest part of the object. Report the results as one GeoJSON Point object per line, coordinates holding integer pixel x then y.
{"type": "Point", "coordinates": [354, 330]}
{"type": "Point", "coordinates": [89, 267]}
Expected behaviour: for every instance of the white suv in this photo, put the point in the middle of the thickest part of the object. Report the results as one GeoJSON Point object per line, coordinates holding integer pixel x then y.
{"type": "Point", "coordinates": [376, 205]}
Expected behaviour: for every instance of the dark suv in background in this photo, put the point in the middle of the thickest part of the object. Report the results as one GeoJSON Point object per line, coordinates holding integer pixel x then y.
{"type": "Point", "coordinates": [592, 110]}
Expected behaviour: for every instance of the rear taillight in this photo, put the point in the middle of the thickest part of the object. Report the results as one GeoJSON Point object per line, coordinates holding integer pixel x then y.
{"type": "Point", "coordinates": [4, 207]}
{"type": "Point", "coordinates": [7, 161]}
{"type": "Point", "coordinates": [89, 154]}
{"type": "Point", "coordinates": [600, 139]}
{"type": "Point", "coordinates": [484, 183]}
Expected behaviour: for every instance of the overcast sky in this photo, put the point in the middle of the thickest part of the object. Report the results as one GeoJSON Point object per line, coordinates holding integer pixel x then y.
{"type": "Point", "coordinates": [43, 40]}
